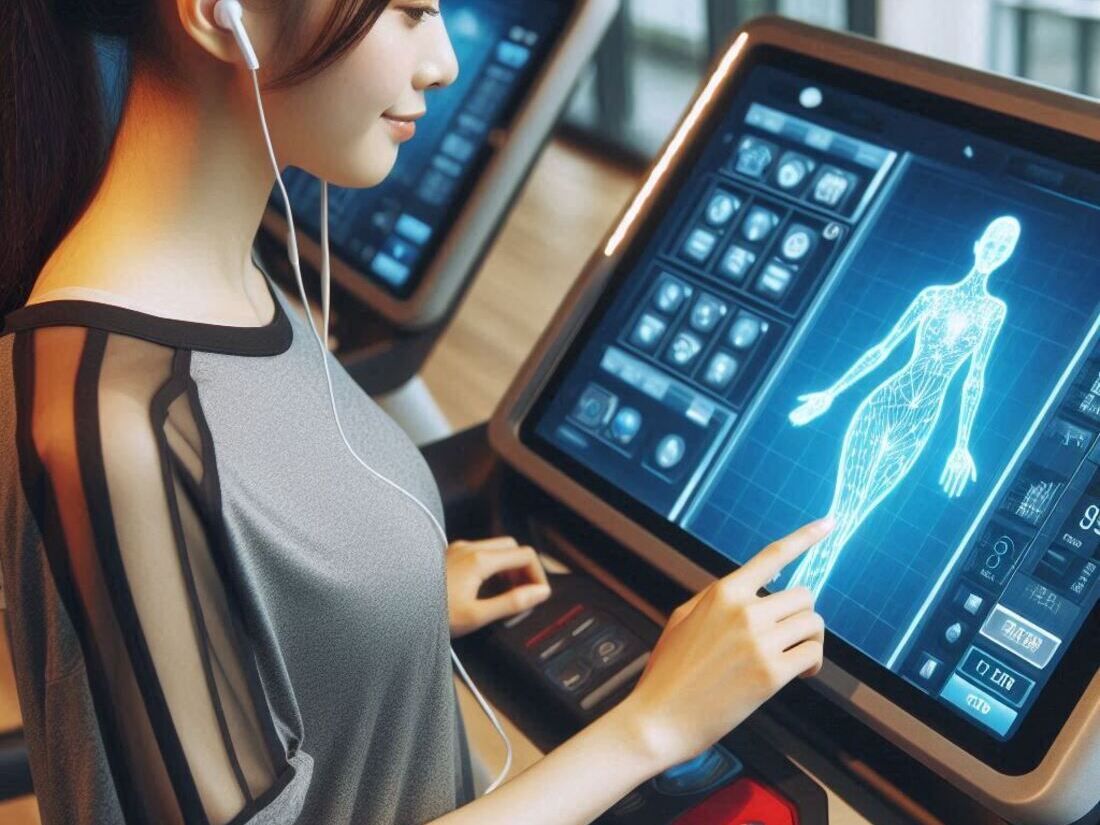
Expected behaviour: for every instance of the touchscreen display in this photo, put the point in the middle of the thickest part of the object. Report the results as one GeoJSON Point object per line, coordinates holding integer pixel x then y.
{"type": "Point", "coordinates": [390, 232]}
{"type": "Point", "coordinates": [853, 308]}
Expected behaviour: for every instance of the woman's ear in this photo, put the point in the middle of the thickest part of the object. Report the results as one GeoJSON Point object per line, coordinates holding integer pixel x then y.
{"type": "Point", "coordinates": [197, 18]}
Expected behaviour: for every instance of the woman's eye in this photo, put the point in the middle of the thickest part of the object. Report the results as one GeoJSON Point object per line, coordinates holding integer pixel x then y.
{"type": "Point", "coordinates": [419, 14]}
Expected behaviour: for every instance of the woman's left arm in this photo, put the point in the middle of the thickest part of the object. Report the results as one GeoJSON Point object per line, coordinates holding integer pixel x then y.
{"type": "Point", "coordinates": [471, 563]}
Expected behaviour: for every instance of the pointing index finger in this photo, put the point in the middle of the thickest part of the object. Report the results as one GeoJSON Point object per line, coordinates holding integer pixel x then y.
{"type": "Point", "coordinates": [767, 564]}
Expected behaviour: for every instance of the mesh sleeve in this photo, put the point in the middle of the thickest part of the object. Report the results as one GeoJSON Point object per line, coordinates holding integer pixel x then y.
{"type": "Point", "coordinates": [142, 563]}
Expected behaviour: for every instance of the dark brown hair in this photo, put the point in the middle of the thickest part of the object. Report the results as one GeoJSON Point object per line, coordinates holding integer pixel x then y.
{"type": "Point", "coordinates": [54, 140]}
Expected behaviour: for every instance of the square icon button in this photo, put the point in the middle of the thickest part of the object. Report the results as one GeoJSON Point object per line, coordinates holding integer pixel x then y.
{"type": "Point", "coordinates": [833, 186]}
{"type": "Point", "coordinates": [648, 332]}
{"type": "Point", "coordinates": [669, 452]}
{"type": "Point", "coordinates": [706, 313]}
{"type": "Point", "coordinates": [684, 349]}
{"type": "Point", "coordinates": [775, 281]}
{"type": "Point", "coordinates": [737, 262]}
{"type": "Point", "coordinates": [929, 667]}
{"type": "Point", "coordinates": [758, 224]}
{"type": "Point", "coordinates": [699, 244]}
{"type": "Point", "coordinates": [793, 170]}
{"type": "Point", "coordinates": [595, 407]}
{"type": "Point", "coordinates": [746, 330]}
{"type": "Point", "coordinates": [670, 295]}
{"type": "Point", "coordinates": [720, 370]}
{"type": "Point", "coordinates": [969, 601]}
{"type": "Point", "coordinates": [625, 425]}
{"type": "Point", "coordinates": [721, 208]}
{"type": "Point", "coordinates": [754, 156]}
{"type": "Point", "coordinates": [798, 243]}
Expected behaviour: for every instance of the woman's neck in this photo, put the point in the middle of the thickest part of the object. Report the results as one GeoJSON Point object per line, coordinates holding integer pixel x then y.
{"type": "Point", "coordinates": [172, 224]}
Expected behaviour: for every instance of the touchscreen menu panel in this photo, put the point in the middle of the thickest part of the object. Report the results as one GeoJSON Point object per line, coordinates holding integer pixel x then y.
{"type": "Point", "coordinates": [849, 307]}
{"type": "Point", "coordinates": [390, 232]}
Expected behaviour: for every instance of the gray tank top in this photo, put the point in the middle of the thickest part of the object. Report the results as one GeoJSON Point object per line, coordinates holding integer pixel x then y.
{"type": "Point", "coordinates": [216, 615]}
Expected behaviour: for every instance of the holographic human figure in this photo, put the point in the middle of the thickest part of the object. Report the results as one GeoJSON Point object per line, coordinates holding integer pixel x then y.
{"type": "Point", "coordinates": [954, 323]}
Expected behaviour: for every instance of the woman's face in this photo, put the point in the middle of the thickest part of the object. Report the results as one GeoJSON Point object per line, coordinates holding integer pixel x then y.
{"type": "Point", "coordinates": [346, 124]}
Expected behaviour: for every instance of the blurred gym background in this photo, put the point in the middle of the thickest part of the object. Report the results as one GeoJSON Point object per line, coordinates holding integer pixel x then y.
{"type": "Point", "coordinates": [654, 56]}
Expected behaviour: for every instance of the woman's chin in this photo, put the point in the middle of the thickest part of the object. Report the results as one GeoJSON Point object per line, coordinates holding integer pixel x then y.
{"type": "Point", "coordinates": [371, 165]}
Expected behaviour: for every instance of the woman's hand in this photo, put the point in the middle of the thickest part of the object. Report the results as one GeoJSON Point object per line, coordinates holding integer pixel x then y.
{"type": "Point", "coordinates": [726, 651]}
{"type": "Point", "coordinates": [471, 563]}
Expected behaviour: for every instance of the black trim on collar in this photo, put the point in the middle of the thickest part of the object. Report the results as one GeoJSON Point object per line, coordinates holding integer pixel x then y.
{"type": "Point", "coordinates": [273, 338]}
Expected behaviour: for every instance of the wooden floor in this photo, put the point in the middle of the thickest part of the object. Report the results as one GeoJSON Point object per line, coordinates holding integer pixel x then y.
{"type": "Point", "coordinates": [570, 202]}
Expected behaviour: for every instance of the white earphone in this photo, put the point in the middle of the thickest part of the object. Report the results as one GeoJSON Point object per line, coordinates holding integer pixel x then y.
{"type": "Point", "coordinates": [229, 15]}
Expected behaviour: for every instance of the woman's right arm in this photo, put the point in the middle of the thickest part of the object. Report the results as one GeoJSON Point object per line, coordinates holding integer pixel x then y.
{"type": "Point", "coordinates": [721, 655]}
{"type": "Point", "coordinates": [162, 707]}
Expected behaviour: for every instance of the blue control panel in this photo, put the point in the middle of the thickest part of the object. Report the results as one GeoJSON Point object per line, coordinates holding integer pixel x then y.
{"type": "Point", "coordinates": [855, 309]}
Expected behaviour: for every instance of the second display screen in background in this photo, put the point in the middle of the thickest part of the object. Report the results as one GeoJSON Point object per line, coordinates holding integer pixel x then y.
{"type": "Point", "coordinates": [390, 232]}
{"type": "Point", "coordinates": [836, 319]}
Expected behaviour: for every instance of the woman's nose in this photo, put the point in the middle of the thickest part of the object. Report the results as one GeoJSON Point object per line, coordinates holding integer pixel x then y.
{"type": "Point", "coordinates": [440, 65]}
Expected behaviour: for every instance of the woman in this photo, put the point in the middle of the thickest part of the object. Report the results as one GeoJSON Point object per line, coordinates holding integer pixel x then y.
{"type": "Point", "coordinates": [215, 614]}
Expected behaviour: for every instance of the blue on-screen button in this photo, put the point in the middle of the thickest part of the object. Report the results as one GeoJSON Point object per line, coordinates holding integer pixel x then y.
{"type": "Point", "coordinates": [512, 54]}
{"type": "Point", "coordinates": [389, 269]}
{"type": "Point", "coordinates": [978, 704]}
{"type": "Point", "coordinates": [413, 229]}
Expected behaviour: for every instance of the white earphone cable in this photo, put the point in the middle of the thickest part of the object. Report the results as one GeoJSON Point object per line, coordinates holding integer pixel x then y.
{"type": "Point", "coordinates": [292, 249]}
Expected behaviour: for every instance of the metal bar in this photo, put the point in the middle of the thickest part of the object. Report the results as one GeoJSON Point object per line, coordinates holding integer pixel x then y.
{"type": "Point", "coordinates": [723, 16]}
{"type": "Point", "coordinates": [615, 75]}
{"type": "Point", "coordinates": [1024, 22]}
{"type": "Point", "coordinates": [863, 17]}
{"type": "Point", "coordinates": [993, 47]}
{"type": "Point", "coordinates": [1086, 47]}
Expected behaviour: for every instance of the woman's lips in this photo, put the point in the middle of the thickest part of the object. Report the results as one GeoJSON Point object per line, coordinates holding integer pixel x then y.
{"type": "Point", "coordinates": [402, 130]}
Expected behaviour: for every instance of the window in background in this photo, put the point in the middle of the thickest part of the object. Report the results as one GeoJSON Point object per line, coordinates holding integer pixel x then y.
{"type": "Point", "coordinates": [1056, 42]}
{"type": "Point", "coordinates": [656, 53]}
{"type": "Point", "coordinates": [957, 31]}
